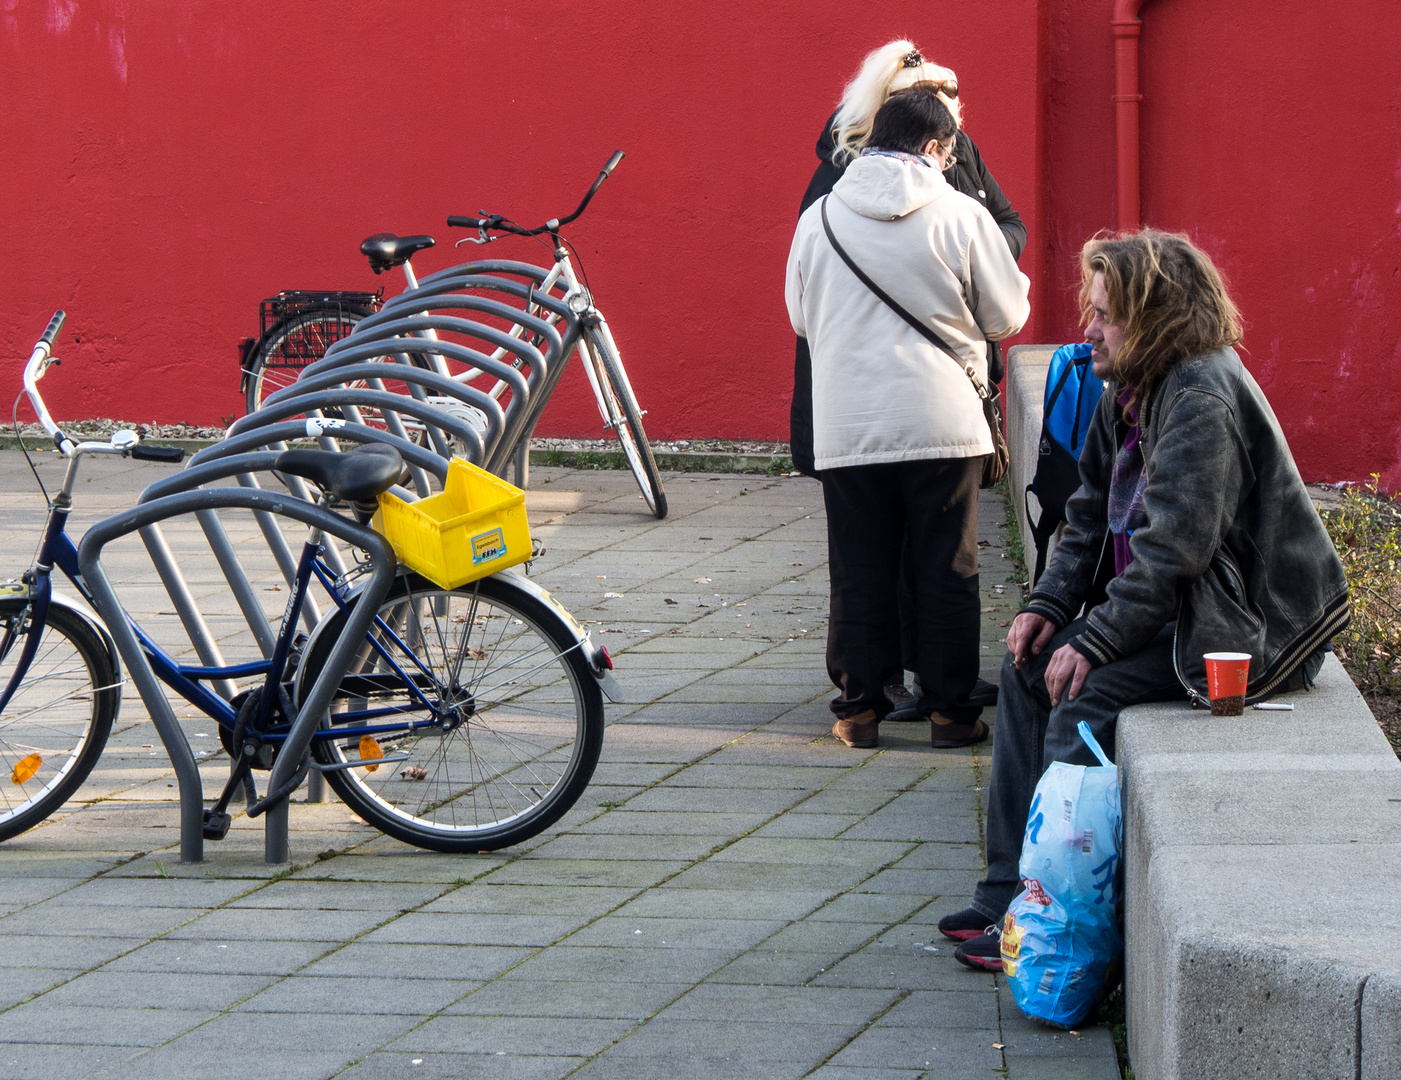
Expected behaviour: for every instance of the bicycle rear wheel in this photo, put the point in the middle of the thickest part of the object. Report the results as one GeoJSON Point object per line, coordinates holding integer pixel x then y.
{"type": "Point", "coordinates": [294, 343]}
{"type": "Point", "coordinates": [519, 716]}
{"type": "Point", "coordinates": [620, 411]}
{"type": "Point", "coordinates": [54, 728]}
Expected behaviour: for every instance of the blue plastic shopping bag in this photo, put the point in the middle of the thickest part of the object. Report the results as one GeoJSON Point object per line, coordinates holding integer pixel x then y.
{"type": "Point", "coordinates": [1060, 938]}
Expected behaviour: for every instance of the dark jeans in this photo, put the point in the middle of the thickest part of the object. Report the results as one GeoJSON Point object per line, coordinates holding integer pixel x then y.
{"type": "Point", "coordinates": [873, 511]}
{"type": "Point", "coordinates": [1030, 735]}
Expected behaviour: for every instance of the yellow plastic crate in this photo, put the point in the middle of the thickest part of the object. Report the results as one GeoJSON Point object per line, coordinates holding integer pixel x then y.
{"type": "Point", "coordinates": [474, 527]}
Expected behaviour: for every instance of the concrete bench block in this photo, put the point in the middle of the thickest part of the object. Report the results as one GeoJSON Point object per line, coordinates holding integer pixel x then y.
{"type": "Point", "coordinates": [1262, 866]}
{"type": "Point", "coordinates": [1381, 1027]}
{"type": "Point", "coordinates": [1027, 366]}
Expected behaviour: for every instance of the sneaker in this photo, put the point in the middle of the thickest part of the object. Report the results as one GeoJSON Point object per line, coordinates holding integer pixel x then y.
{"type": "Point", "coordinates": [963, 925]}
{"type": "Point", "coordinates": [946, 734]}
{"type": "Point", "coordinates": [861, 731]}
{"type": "Point", "coordinates": [982, 953]}
{"type": "Point", "coordinates": [906, 704]}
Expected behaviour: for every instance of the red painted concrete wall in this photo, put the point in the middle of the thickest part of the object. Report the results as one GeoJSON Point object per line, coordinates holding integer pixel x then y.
{"type": "Point", "coordinates": [168, 164]}
{"type": "Point", "coordinates": [1272, 135]}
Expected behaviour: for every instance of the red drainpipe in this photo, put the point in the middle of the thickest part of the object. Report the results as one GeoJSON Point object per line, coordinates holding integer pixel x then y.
{"type": "Point", "coordinates": [1126, 98]}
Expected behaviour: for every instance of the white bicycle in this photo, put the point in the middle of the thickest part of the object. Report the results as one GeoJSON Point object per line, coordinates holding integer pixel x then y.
{"type": "Point", "coordinates": [598, 352]}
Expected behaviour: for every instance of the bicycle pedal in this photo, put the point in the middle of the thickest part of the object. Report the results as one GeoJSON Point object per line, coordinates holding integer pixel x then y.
{"type": "Point", "coordinates": [216, 826]}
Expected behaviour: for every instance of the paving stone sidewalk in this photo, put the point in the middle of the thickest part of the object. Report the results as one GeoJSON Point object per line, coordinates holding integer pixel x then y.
{"type": "Point", "coordinates": [735, 895]}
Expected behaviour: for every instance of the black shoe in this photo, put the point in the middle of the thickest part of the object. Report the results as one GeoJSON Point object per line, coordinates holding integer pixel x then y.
{"type": "Point", "coordinates": [964, 925]}
{"type": "Point", "coordinates": [984, 694]}
{"type": "Point", "coordinates": [982, 953]}
{"type": "Point", "coordinates": [906, 704]}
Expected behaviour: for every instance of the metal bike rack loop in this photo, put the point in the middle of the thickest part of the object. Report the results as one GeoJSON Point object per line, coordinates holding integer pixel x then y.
{"type": "Point", "coordinates": [383, 567]}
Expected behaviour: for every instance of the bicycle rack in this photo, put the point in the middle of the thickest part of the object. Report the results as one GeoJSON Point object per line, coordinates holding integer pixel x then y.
{"type": "Point", "coordinates": [208, 501]}
{"type": "Point", "coordinates": [327, 404]}
{"type": "Point", "coordinates": [458, 287]}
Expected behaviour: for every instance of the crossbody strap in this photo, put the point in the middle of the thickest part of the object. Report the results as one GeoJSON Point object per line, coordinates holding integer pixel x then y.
{"type": "Point", "coordinates": [929, 334]}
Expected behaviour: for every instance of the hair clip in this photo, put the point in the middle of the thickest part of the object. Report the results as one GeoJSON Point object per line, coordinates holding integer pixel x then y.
{"type": "Point", "coordinates": [911, 59]}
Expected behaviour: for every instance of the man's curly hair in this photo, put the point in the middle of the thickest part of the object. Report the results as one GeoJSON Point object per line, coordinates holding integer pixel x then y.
{"type": "Point", "coordinates": [1170, 297]}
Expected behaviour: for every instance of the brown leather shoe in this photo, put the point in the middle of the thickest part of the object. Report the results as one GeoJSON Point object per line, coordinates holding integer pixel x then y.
{"type": "Point", "coordinates": [946, 734]}
{"type": "Point", "coordinates": [861, 731]}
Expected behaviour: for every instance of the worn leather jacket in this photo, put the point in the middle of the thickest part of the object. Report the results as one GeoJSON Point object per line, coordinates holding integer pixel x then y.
{"type": "Point", "coordinates": [1233, 548]}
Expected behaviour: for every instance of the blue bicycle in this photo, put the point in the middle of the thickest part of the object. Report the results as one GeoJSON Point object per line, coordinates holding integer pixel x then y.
{"type": "Point", "coordinates": [467, 719]}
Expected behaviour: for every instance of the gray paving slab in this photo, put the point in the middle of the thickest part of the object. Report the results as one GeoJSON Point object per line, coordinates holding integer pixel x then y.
{"type": "Point", "coordinates": [805, 1044]}
{"type": "Point", "coordinates": [784, 886]}
{"type": "Point", "coordinates": [437, 1066]}
{"type": "Point", "coordinates": [190, 1056]}
{"type": "Point", "coordinates": [617, 1001]}
{"type": "Point", "coordinates": [55, 1061]}
{"type": "Point", "coordinates": [105, 988]}
{"type": "Point", "coordinates": [450, 928]}
{"type": "Point", "coordinates": [510, 1035]}
{"type": "Point", "coordinates": [42, 1022]}
{"type": "Point", "coordinates": [416, 961]}
{"type": "Point", "coordinates": [490, 898]}
{"type": "Point", "coordinates": [377, 993]}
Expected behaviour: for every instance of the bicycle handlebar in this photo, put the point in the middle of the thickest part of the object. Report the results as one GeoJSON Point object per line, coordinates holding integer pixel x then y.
{"type": "Point", "coordinates": [496, 221]}
{"type": "Point", "coordinates": [122, 442]}
{"type": "Point", "coordinates": [55, 325]}
{"type": "Point", "coordinates": [34, 371]}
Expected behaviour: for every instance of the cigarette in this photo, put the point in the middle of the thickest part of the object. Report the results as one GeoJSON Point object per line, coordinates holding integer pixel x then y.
{"type": "Point", "coordinates": [1274, 706]}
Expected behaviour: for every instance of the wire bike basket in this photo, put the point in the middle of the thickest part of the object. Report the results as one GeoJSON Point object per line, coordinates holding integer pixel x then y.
{"type": "Point", "coordinates": [307, 342]}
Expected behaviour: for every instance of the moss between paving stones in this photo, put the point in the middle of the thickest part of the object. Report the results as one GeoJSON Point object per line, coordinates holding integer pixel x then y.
{"type": "Point", "coordinates": [711, 456]}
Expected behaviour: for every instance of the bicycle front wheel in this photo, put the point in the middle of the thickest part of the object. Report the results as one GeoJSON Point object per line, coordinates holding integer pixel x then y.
{"type": "Point", "coordinates": [620, 411]}
{"type": "Point", "coordinates": [294, 343]}
{"type": "Point", "coordinates": [509, 736]}
{"type": "Point", "coordinates": [56, 724]}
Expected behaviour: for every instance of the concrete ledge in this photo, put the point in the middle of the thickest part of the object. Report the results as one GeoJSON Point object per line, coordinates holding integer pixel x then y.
{"type": "Point", "coordinates": [1262, 865]}
{"type": "Point", "coordinates": [1027, 366]}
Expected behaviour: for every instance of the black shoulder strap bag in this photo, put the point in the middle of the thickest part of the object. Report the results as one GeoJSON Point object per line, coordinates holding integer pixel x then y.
{"type": "Point", "coordinates": [996, 466]}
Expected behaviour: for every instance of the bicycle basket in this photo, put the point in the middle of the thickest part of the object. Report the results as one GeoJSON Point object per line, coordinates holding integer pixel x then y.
{"type": "Point", "coordinates": [474, 527]}
{"type": "Point", "coordinates": [306, 344]}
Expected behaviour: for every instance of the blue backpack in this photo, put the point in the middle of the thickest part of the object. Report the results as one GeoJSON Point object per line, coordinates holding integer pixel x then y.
{"type": "Point", "coordinates": [1072, 393]}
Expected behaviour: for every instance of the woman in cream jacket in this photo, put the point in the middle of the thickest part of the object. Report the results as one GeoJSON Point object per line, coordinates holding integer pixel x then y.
{"type": "Point", "coordinates": [898, 428]}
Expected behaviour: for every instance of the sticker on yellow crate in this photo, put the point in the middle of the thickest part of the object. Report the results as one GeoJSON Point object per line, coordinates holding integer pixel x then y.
{"type": "Point", "coordinates": [488, 546]}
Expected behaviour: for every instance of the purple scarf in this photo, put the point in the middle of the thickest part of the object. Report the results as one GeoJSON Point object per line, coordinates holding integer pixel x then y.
{"type": "Point", "coordinates": [1126, 511]}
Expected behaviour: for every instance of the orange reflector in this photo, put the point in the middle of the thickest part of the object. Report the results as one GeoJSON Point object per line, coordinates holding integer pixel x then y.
{"type": "Point", "coordinates": [26, 768]}
{"type": "Point", "coordinates": [369, 750]}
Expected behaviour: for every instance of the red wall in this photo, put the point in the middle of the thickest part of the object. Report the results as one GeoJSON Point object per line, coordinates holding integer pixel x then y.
{"type": "Point", "coordinates": [1272, 135]}
{"type": "Point", "coordinates": [169, 164]}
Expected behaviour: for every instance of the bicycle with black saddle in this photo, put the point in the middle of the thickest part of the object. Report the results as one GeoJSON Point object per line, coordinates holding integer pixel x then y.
{"type": "Point", "coordinates": [329, 317]}
{"type": "Point", "coordinates": [466, 719]}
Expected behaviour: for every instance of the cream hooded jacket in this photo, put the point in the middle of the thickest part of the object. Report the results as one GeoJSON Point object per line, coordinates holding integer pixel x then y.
{"type": "Point", "coordinates": [880, 391]}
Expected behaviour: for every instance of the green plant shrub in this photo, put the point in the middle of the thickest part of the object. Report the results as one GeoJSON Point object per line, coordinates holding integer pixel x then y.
{"type": "Point", "coordinates": [1366, 530]}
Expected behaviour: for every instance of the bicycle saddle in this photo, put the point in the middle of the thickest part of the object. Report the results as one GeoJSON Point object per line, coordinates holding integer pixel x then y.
{"type": "Point", "coordinates": [354, 477]}
{"type": "Point", "coordinates": [386, 250]}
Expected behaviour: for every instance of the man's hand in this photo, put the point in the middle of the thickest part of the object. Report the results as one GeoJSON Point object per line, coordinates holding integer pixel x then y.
{"type": "Point", "coordinates": [1068, 667]}
{"type": "Point", "coordinates": [1028, 635]}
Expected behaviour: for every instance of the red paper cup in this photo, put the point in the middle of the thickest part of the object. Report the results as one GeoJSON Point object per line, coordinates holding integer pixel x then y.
{"type": "Point", "coordinates": [1226, 674]}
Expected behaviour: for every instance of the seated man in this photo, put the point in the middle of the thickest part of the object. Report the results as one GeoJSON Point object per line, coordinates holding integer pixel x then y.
{"type": "Point", "coordinates": [1184, 471]}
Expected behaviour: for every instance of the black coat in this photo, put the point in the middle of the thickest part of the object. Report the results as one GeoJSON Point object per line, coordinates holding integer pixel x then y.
{"type": "Point", "coordinates": [970, 176]}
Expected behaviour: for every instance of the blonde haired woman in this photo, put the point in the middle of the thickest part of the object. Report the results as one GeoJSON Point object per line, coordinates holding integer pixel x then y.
{"type": "Point", "coordinates": [891, 68]}
{"type": "Point", "coordinates": [886, 71]}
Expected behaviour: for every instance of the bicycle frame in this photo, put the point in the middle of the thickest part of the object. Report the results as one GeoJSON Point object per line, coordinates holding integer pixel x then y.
{"type": "Point", "coordinates": [58, 550]}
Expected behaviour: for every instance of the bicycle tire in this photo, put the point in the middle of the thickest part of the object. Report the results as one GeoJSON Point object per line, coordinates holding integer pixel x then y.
{"type": "Point", "coordinates": [61, 715]}
{"type": "Point", "coordinates": [512, 764]}
{"type": "Point", "coordinates": [305, 336]}
{"type": "Point", "coordinates": [620, 411]}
